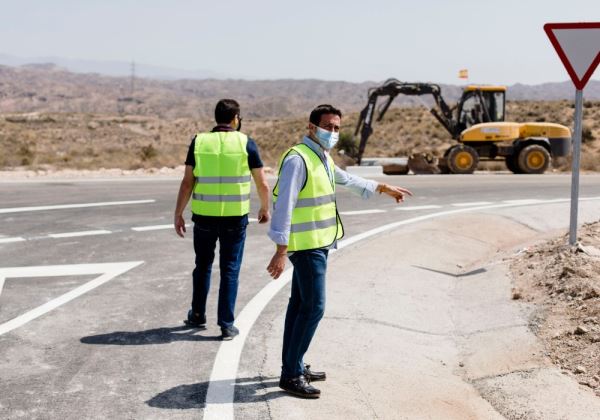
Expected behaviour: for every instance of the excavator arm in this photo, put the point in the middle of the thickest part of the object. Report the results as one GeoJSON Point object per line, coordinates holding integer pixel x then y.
{"type": "Point", "coordinates": [390, 89]}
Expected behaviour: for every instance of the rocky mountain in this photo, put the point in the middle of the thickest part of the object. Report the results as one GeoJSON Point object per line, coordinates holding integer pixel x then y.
{"type": "Point", "coordinates": [50, 88]}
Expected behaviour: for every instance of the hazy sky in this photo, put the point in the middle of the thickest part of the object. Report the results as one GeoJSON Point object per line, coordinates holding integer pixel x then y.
{"type": "Point", "coordinates": [499, 41]}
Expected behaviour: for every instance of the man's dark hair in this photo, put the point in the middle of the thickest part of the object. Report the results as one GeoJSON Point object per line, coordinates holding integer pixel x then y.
{"type": "Point", "coordinates": [324, 109]}
{"type": "Point", "coordinates": [226, 110]}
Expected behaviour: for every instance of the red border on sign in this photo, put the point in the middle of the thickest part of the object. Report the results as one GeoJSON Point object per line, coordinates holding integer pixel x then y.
{"type": "Point", "coordinates": [549, 27]}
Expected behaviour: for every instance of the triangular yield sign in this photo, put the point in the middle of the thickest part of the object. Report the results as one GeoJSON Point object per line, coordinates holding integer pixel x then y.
{"type": "Point", "coordinates": [578, 46]}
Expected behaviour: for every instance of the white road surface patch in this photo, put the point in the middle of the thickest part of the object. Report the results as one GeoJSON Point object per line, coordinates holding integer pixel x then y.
{"type": "Point", "coordinates": [9, 240]}
{"type": "Point", "coordinates": [107, 272]}
{"type": "Point", "coordinates": [80, 233]}
{"type": "Point", "coordinates": [221, 386]}
{"type": "Point", "coordinates": [411, 208]}
{"type": "Point", "coordinates": [474, 203]}
{"type": "Point", "coordinates": [73, 206]}
{"type": "Point", "coordinates": [357, 212]}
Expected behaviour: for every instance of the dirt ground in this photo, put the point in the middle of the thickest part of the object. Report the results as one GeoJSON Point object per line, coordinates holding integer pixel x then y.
{"type": "Point", "coordinates": [564, 282]}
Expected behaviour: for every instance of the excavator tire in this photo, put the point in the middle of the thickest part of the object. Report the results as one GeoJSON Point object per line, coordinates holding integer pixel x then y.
{"type": "Point", "coordinates": [512, 165]}
{"type": "Point", "coordinates": [533, 159]}
{"type": "Point", "coordinates": [462, 159]}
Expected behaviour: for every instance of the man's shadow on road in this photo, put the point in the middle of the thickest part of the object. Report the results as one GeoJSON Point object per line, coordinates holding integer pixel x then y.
{"type": "Point", "coordinates": [163, 335]}
{"type": "Point", "coordinates": [193, 396]}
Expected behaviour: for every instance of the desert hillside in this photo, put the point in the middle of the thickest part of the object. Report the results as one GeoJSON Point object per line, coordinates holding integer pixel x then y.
{"type": "Point", "coordinates": [51, 118]}
{"type": "Point", "coordinates": [90, 141]}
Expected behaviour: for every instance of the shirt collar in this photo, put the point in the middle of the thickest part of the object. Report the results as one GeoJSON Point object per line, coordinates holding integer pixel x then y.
{"type": "Point", "coordinates": [315, 147]}
{"type": "Point", "coordinates": [223, 127]}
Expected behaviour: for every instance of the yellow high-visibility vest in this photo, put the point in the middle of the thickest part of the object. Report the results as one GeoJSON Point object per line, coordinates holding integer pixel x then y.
{"type": "Point", "coordinates": [222, 174]}
{"type": "Point", "coordinates": [315, 219]}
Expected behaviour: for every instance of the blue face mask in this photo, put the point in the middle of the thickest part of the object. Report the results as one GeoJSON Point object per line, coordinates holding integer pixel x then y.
{"type": "Point", "coordinates": [328, 139]}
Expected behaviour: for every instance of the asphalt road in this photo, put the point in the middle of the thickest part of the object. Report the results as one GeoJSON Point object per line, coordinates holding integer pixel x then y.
{"type": "Point", "coordinates": [116, 348]}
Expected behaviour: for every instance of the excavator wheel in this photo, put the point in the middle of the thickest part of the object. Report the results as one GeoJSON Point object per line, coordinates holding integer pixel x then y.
{"type": "Point", "coordinates": [512, 165]}
{"type": "Point", "coordinates": [462, 159]}
{"type": "Point", "coordinates": [533, 159]}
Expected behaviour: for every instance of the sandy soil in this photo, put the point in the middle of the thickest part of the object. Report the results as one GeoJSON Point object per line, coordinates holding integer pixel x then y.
{"type": "Point", "coordinates": [564, 282]}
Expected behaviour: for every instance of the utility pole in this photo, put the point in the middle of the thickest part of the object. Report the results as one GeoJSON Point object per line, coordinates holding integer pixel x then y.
{"type": "Point", "coordinates": [132, 78]}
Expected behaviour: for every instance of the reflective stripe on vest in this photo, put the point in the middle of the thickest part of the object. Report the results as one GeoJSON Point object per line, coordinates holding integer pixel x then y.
{"type": "Point", "coordinates": [222, 174]}
{"type": "Point", "coordinates": [315, 220]}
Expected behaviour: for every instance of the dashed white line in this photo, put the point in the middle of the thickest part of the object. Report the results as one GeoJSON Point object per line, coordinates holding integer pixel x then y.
{"type": "Point", "coordinates": [155, 227]}
{"type": "Point", "coordinates": [73, 206]}
{"type": "Point", "coordinates": [474, 203]}
{"type": "Point", "coordinates": [525, 201]}
{"type": "Point", "coordinates": [356, 212]}
{"type": "Point", "coordinates": [221, 386]}
{"type": "Point", "coordinates": [10, 240]}
{"type": "Point", "coordinates": [81, 233]}
{"type": "Point", "coordinates": [411, 208]}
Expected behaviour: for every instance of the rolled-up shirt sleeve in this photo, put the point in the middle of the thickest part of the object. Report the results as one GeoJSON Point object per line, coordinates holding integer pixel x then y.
{"type": "Point", "coordinates": [357, 185]}
{"type": "Point", "coordinates": [291, 179]}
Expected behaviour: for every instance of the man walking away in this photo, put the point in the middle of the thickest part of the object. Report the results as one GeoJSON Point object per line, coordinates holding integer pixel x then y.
{"type": "Point", "coordinates": [217, 175]}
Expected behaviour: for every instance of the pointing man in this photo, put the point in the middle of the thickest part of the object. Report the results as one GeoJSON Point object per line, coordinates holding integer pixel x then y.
{"type": "Point", "coordinates": [305, 226]}
{"type": "Point", "coordinates": [217, 172]}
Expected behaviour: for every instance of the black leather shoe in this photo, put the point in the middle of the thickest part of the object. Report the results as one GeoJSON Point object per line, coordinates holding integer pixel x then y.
{"type": "Point", "coordinates": [228, 333]}
{"type": "Point", "coordinates": [313, 376]}
{"type": "Point", "coordinates": [299, 387]}
{"type": "Point", "coordinates": [195, 320]}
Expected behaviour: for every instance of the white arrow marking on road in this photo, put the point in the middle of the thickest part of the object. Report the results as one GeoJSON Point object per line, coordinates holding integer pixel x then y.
{"type": "Point", "coordinates": [108, 271]}
{"type": "Point", "coordinates": [73, 206]}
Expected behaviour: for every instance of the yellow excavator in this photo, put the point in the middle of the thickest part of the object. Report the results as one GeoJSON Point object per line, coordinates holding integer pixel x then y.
{"type": "Point", "coordinates": [477, 123]}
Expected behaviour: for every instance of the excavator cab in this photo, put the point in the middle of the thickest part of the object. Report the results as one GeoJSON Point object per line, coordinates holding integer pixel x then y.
{"type": "Point", "coordinates": [480, 104]}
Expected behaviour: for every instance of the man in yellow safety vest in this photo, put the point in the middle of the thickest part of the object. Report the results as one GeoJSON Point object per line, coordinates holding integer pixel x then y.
{"type": "Point", "coordinates": [217, 176]}
{"type": "Point", "coordinates": [305, 225]}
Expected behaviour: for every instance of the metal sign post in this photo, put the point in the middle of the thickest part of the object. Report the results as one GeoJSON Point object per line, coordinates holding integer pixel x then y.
{"type": "Point", "coordinates": [575, 167]}
{"type": "Point", "coordinates": [578, 46]}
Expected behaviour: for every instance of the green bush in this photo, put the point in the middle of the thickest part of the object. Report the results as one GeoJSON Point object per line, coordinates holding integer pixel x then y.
{"type": "Point", "coordinates": [148, 152]}
{"type": "Point", "coordinates": [587, 135]}
{"type": "Point", "coordinates": [348, 144]}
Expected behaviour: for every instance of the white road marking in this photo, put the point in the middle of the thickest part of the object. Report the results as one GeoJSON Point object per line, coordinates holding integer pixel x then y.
{"type": "Point", "coordinates": [525, 201]}
{"type": "Point", "coordinates": [108, 271]}
{"type": "Point", "coordinates": [81, 233]}
{"type": "Point", "coordinates": [474, 203]}
{"type": "Point", "coordinates": [221, 386]}
{"type": "Point", "coordinates": [9, 240]}
{"type": "Point", "coordinates": [73, 206]}
{"type": "Point", "coordinates": [409, 208]}
{"type": "Point", "coordinates": [356, 212]}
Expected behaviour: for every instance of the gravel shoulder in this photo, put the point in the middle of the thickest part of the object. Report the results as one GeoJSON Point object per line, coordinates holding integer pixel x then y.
{"type": "Point", "coordinates": [564, 284]}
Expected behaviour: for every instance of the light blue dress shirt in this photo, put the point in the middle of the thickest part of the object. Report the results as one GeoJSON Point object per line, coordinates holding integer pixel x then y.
{"type": "Point", "coordinates": [291, 180]}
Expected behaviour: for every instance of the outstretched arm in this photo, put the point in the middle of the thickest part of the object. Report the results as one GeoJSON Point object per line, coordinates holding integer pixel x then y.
{"type": "Point", "coordinates": [366, 187]}
{"type": "Point", "coordinates": [185, 192]}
